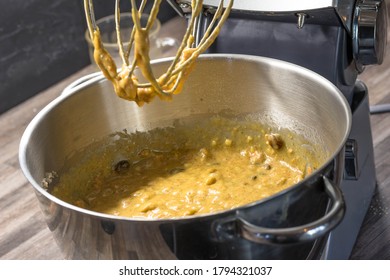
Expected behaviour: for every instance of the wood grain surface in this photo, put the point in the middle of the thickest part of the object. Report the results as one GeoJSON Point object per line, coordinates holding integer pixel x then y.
{"type": "Point", "coordinates": [24, 234]}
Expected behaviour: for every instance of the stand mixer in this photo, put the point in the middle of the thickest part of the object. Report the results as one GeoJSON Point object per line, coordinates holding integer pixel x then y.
{"type": "Point", "coordinates": [336, 39]}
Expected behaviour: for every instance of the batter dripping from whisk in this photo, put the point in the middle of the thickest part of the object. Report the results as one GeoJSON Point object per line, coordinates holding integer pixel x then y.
{"type": "Point", "coordinates": [125, 82]}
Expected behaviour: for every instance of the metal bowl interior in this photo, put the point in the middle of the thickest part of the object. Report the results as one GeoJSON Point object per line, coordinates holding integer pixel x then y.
{"type": "Point", "coordinates": [282, 94]}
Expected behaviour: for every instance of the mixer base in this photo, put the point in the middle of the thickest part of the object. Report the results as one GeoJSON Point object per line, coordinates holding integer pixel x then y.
{"type": "Point", "coordinates": [358, 191]}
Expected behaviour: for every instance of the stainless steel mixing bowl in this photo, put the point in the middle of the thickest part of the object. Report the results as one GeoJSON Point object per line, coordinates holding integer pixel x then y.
{"type": "Point", "coordinates": [288, 225]}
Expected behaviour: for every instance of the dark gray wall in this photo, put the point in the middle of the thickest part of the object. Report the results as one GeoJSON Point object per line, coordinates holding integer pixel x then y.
{"type": "Point", "coordinates": [42, 42]}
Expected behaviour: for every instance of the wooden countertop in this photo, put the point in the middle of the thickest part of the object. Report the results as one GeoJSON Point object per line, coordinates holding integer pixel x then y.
{"type": "Point", "coordinates": [24, 234]}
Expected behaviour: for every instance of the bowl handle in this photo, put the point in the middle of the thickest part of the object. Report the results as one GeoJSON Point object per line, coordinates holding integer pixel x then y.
{"type": "Point", "coordinates": [234, 227]}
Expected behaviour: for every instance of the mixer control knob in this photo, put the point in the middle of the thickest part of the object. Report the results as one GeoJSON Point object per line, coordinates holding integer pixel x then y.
{"type": "Point", "coordinates": [369, 32]}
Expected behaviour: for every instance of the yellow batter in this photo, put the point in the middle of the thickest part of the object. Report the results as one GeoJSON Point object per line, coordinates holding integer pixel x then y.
{"type": "Point", "coordinates": [189, 169]}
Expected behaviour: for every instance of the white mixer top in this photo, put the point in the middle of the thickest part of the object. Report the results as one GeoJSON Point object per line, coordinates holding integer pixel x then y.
{"type": "Point", "coordinates": [276, 6]}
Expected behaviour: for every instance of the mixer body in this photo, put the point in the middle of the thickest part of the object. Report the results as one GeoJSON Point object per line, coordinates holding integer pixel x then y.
{"type": "Point", "coordinates": [335, 39]}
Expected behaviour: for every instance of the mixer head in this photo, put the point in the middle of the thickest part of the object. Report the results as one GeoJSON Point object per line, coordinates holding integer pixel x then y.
{"type": "Point", "coordinates": [365, 21]}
